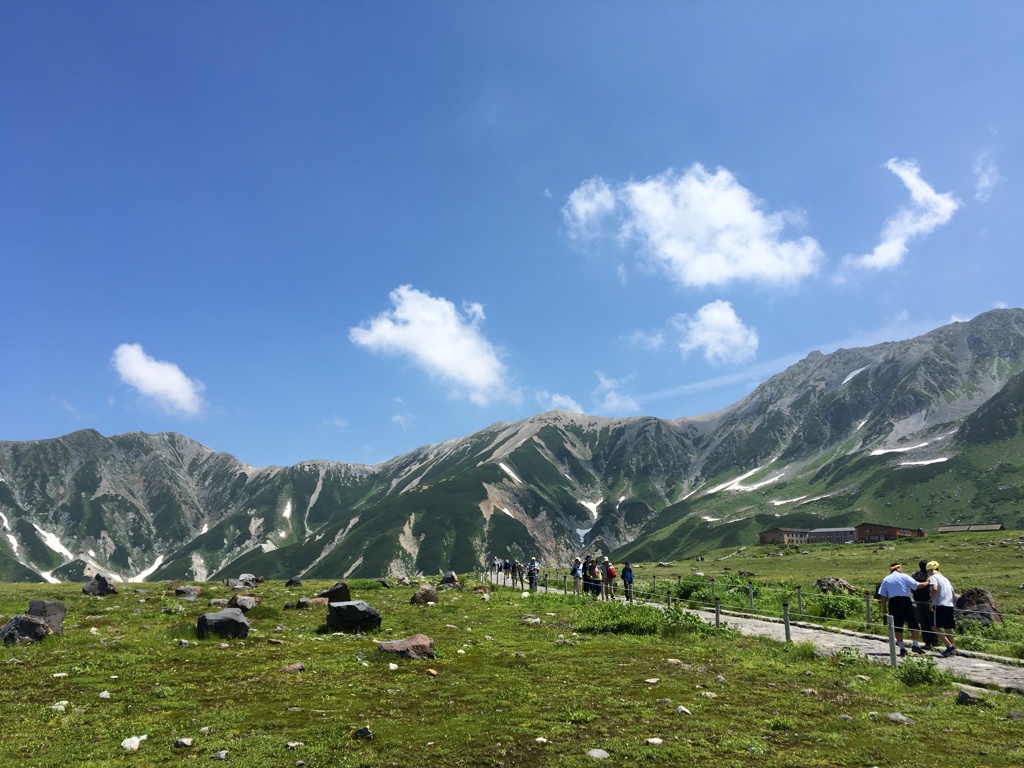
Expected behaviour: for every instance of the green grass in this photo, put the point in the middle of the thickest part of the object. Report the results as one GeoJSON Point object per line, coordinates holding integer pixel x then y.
{"type": "Point", "coordinates": [578, 680]}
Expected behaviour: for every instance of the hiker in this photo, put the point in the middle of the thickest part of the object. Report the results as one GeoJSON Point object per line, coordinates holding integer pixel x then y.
{"type": "Point", "coordinates": [533, 572]}
{"type": "Point", "coordinates": [576, 571]}
{"type": "Point", "coordinates": [894, 592]}
{"type": "Point", "coordinates": [517, 574]}
{"type": "Point", "coordinates": [923, 606]}
{"type": "Point", "coordinates": [627, 581]}
{"type": "Point", "coordinates": [942, 603]}
{"type": "Point", "coordinates": [608, 573]}
{"type": "Point", "coordinates": [595, 578]}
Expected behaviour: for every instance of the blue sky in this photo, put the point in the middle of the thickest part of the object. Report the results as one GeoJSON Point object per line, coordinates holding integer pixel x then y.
{"type": "Point", "coordinates": [313, 230]}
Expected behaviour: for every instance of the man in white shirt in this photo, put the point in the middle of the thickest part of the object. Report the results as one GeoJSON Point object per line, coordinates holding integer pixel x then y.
{"type": "Point", "coordinates": [942, 607]}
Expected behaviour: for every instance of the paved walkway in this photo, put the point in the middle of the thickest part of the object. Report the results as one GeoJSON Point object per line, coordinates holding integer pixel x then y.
{"type": "Point", "coordinates": [995, 672]}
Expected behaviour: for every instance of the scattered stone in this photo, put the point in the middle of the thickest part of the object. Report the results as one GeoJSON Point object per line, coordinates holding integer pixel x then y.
{"type": "Point", "coordinates": [363, 733]}
{"type": "Point", "coordinates": [977, 604]}
{"type": "Point", "coordinates": [967, 697]}
{"type": "Point", "coordinates": [131, 744]}
{"type": "Point", "coordinates": [294, 669]}
{"type": "Point", "coordinates": [652, 680]}
{"type": "Point", "coordinates": [427, 593]}
{"type": "Point", "coordinates": [414, 647]}
{"type": "Point", "coordinates": [218, 602]}
{"type": "Point", "coordinates": [681, 710]}
{"type": "Point", "coordinates": [294, 581]}
{"type": "Point", "coordinates": [532, 622]}
{"type": "Point", "coordinates": [104, 694]}
{"type": "Point", "coordinates": [205, 730]}
{"type": "Point", "coordinates": [720, 679]}
{"type": "Point", "coordinates": [450, 581]}
{"type": "Point", "coordinates": [337, 593]}
{"type": "Point", "coordinates": [844, 716]}
{"type": "Point", "coordinates": [276, 641]}
{"type": "Point", "coordinates": [295, 744]}
{"type": "Point", "coordinates": [222, 755]}
{"type": "Point", "coordinates": [872, 715]}
{"type": "Point", "coordinates": [60, 707]}
{"type": "Point", "coordinates": [664, 701]}
{"type": "Point", "coordinates": [863, 678]}
{"type": "Point", "coordinates": [899, 717]}
{"type": "Point", "coordinates": [404, 582]}
{"type": "Point", "coordinates": [833, 584]}
{"type": "Point", "coordinates": [99, 586]}
{"type": "Point", "coordinates": [1015, 715]}
{"type": "Point", "coordinates": [392, 666]}
{"type": "Point", "coordinates": [24, 629]}
{"type": "Point", "coordinates": [709, 694]}
{"type": "Point", "coordinates": [187, 590]}
{"type": "Point", "coordinates": [432, 672]}
{"type": "Point", "coordinates": [384, 583]}
{"type": "Point", "coordinates": [524, 596]}
{"type": "Point", "coordinates": [230, 622]}
{"type": "Point", "coordinates": [244, 603]}
{"type": "Point", "coordinates": [51, 612]}
{"type": "Point", "coordinates": [598, 754]}
{"type": "Point", "coordinates": [13, 660]}
{"type": "Point", "coordinates": [541, 740]}
{"type": "Point", "coordinates": [352, 616]}
{"type": "Point", "coordinates": [183, 643]}
{"type": "Point", "coordinates": [182, 743]}
{"type": "Point", "coordinates": [809, 692]}
{"type": "Point", "coordinates": [654, 741]}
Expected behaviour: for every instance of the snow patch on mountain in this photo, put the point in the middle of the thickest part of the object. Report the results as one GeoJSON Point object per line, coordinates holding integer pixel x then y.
{"type": "Point", "coordinates": [149, 571]}
{"type": "Point", "coordinates": [592, 507]}
{"type": "Point", "coordinates": [852, 374]}
{"type": "Point", "coordinates": [922, 463]}
{"type": "Point", "coordinates": [883, 451]}
{"type": "Point", "coordinates": [780, 502]}
{"type": "Point", "coordinates": [53, 542]}
{"type": "Point", "coordinates": [582, 533]}
{"type": "Point", "coordinates": [509, 472]}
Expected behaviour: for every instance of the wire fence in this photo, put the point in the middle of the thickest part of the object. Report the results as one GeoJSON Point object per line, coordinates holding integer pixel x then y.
{"type": "Point", "coordinates": [731, 597]}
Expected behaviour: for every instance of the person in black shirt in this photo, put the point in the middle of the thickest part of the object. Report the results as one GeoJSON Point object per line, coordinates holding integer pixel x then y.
{"type": "Point", "coordinates": [922, 604]}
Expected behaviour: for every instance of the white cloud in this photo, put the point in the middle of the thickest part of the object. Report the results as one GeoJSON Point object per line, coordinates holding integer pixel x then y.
{"type": "Point", "coordinates": [588, 204]}
{"type": "Point", "coordinates": [163, 382]}
{"type": "Point", "coordinates": [651, 340]}
{"type": "Point", "coordinates": [336, 423]}
{"type": "Point", "coordinates": [719, 332]}
{"type": "Point", "coordinates": [700, 228]}
{"type": "Point", "coordinates": [610, 400]}
{"type": "Point", "coordinates": [553, 400]}
{"type": "Point", "coordinates": [435, 336]}
{"type": "Point", "coordinates": [986, 176]}
{"type": "Point", "coordinates": [404, 420]}
{"type": "Point", "coordinates": [928, 211]}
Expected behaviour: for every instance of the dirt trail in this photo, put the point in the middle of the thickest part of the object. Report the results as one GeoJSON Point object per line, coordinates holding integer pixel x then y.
{"type": "Point", "coordinates": [995, 672]}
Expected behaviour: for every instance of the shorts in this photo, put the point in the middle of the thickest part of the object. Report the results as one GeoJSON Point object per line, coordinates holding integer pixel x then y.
{"type": "Point", "coordinates": [902, 611]}
{"type": "Point", "coordinates": [944, 617]}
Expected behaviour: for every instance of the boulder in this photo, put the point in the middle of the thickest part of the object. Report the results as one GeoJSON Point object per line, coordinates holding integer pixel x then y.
{"type": "Point", "coordinates": [835, 584]}
{"type": "Point", "coordinates": [24, 629]}
{"type": "Point", "coordinates": [188, 591]}
{"type": "Point", "coordinates": [339, 593]}
{"type": "Point", "coordinates": [427, 593]}
{"type": "Point", "coordinates": [294, 581]}
{"type": "Point", "coordinates": [352, 616]}
{"type": "Point", "coordinates": [415, 647]}
{"type": "Point", "coordinates": [230, 622]}
{"type": "Point", "coordinates": [99, 586]}
{"type": "Point", "coordinates": [384, 583]}
{"type": "Point", "coordinates": [245, 603]}
{"type": "Point", "coordinates": [245, 581]}
{"type": "Point", "coordinates": [404, 581]}
{"type": "Point", "coordinates": [52, 613]}
{"type": "Point", "coordinates": [977, 604]}
{"type": "Point", "coordinates": [450, 581]}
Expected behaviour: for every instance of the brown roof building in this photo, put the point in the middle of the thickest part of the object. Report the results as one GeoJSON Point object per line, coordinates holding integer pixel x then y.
{"type": "Point", "coordinates": [879, 532]}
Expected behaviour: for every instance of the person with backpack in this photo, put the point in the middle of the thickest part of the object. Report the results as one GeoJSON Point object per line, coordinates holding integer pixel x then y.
{"type": "Point", "coordinates": [576, 571]}
{"type": "Point", "coordinates": [610, 575]}
{"type": "Point", "coordinates": [627, 581]}
{"type": "Point", "coordinates": [533, 573]}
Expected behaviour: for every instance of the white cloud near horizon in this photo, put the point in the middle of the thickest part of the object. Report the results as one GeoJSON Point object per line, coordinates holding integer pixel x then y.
{"type": "Point", "coordinates": [555, 401]}
{"type": "Point", "coordinates": [718, 330]}
{"type": "Point", "coordinates": [164, 383]}
{"type": "Point", "coordinates": [699, 228]}
{"type": "Point", "coordinates": [609, 399]}
{"type": "Point", "coordinates": [929, 210]}
{"type": "Point", "coordinates": [435, 336]}
{"type": "Point", "coordinates": [986, 176]}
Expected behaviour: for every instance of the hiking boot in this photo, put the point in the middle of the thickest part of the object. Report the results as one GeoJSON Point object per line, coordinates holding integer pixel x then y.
{"type": "Point", "coordinates": [951, 651]}
{"type": "Point", "coordinates": [918, 649]}
{"type": "Point", "coordinates": [903, 652]}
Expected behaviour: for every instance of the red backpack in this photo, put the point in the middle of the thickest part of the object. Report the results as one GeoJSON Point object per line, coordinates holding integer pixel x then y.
{"type": "Point", "coordinates": [611, 571]}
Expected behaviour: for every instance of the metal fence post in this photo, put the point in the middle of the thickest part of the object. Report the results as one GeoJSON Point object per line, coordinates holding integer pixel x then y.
{"type": "Point", "coordinates": [892, 641]}
{"type": "Point", "coordinates": [654, 588]}
{"type": "Point", "coordinates": [785, 621]}
{"type": "Point", "coordinates": [799, 602]}
{"type": "Point", "coordinates": [750, 593]}
{"type": "Point", "coordinates": [867, 611]}
{"type": "Point", "coordinates": [668, 599]}
{"type": "Point", "coordinates": [718, 613]}
{"type": "Point", "coordinates": [713, 588]}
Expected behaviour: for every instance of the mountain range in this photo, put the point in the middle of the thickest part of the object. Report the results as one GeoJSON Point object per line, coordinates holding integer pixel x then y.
{"type": "Point", "coordinates": [922, 433]}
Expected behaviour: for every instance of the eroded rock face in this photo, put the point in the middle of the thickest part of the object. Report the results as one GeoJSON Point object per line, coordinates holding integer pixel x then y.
{"type": "Point", "coordinates": [230, 622]}
{"type": "Point", "coordinates": [414, 647]}
{"type": "Point", "coordinates": [352, 616]}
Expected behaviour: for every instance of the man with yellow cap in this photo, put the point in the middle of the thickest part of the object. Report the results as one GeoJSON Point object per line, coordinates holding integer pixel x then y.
{"type": "Point", "coordinates": [942, 608]}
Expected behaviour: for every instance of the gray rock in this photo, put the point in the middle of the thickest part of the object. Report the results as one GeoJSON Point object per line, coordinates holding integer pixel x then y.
{"type": "Point", "coordinates": [363, 733]}
{"type": "Point", "coordinates": [427, 593]}
{"type": "Point", "coordinates": [100, 585]}
{"type": "Point", "coordinates": [450, 581]}
{"type": "Point", "coordinates": [899, 717]}
{"type": "Point", "coordinates": [230, 622]}
{"type": "Point", "coordinates": [294, 581]}
{"type": "Point", "coordinates": [187, 590]}
{"type": "Point", "coordinates": [681, 710]}
{"type": "Point", "coordinates": [352, 616]}
{"type": "Point", "coordinates": [414, 647]}
{"type": "Point", "coordinates": [384, 583]}
{"type": "Point", "coordinates": [337, 593]}
{"type": "Point", "coordinates": [244, 603]}
{"type": "Point", "coordinates": [966, 697]}
{"type": "Point", "coordinates": [222, 755]}
{"type": "Point", "coordinates": [52, 613]}
{"type": "Point", "coordinates": [182, 743]}
{"type": "Point", "coordinates": [24, 629]}
{"type": "Point", "coordinates": [598, 754]}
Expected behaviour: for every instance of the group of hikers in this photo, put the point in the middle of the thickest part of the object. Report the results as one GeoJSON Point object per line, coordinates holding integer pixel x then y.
{"type": "Point", "coordinates": [590, 576]}
{"type": "Point", "coordinates": [922, 602]}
